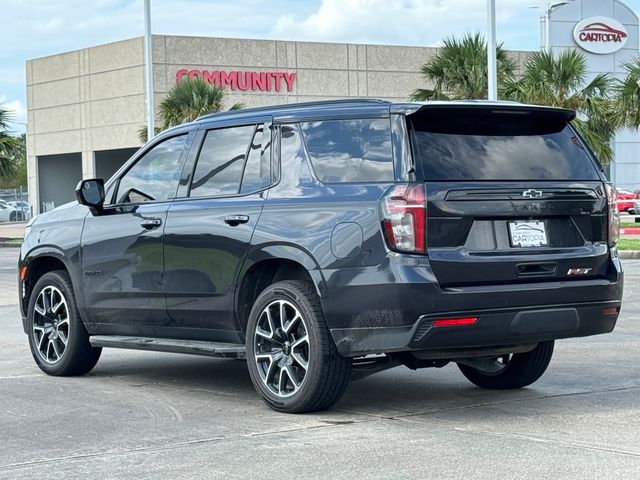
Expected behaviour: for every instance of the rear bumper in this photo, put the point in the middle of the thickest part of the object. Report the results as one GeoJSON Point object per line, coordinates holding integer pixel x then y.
{"type": "Point", "coordinates": [493, 328]}
{"type": "Point", "coordinates": [396, 313]}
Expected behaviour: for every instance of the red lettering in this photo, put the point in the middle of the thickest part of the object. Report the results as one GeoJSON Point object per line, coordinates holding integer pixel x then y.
{"type": "Point", "coordinates": [211, 77]}
{"type": "Point", "coordinates": [277, 76]}
{"type": "Point", "coordinates": [228, 79]}
{"type": "Point", "coordinates": [267, 76]}
{"type": "Point", "coordinates": [600, 37]}
{"type": "Point", "coordinates": [246, 85]}
{"type": "Point", "coordinates": [258, 81]}
{"type": "Point", "coordinates": [180, 74]}
{"type": "Point", "coordinates": [289, 78]}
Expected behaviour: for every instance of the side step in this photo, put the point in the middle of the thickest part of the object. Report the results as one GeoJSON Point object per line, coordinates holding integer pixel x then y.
{"type": "Point", "coordinates": [194, 347]}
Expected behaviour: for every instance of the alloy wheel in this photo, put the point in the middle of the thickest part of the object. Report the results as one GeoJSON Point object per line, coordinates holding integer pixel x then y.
{"type": "Point", "coordinates": [51, 324]}
{"type": "Point", "coordinates": [281, 348]}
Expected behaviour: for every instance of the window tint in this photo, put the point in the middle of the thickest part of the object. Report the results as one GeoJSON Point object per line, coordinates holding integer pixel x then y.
{"type": "Point", "coordinates": [258, 169]}
{"type": "Point", "coordinates": [155, 176]}
{"type": "Point", "coordinates": [500, 147]}
{"type": "Point", "coordinates": [221, 161]}
{"type": "Point", "coordinates": [350, 150]}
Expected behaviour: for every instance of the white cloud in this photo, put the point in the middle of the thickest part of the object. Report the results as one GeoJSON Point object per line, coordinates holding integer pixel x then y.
{"type": "Point", "coordinates": [404, 22]}
{"type": "Point", "coordinates": [17, 112]}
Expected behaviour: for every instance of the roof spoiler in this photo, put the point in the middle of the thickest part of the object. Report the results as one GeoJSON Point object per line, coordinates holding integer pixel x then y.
{"type": "Point", "coordinates": [504, 108]}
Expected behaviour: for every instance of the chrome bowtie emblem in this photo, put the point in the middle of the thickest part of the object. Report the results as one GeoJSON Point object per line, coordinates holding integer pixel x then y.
{"type": "Point", "coordinates": [531, 193]}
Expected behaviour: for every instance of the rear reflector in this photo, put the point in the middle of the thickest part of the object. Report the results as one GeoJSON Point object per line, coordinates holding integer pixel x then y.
{"type": "Point", "coordinates": [610, 310]}
{"type": "Point", "coordinates": [23, 272]}
{"type": "Point", "coordinates": [455, 322]}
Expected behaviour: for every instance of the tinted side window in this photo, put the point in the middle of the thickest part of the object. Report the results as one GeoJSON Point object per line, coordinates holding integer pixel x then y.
{"type": "Point", "coordinates": [257, 171]}
{"type": "Point", "coordinates": [155, 176]}
{"type": "Point", "coordinates": [350, 150]}
{"type": "Point", "coordinates": [221, 161]}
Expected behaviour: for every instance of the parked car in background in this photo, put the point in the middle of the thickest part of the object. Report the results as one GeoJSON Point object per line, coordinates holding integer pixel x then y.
{"type": "Point", "coordinates": [625, 201]}
{"type": "Point", "coordinates": [23, 207]}
{"type": "Point", "coordinates": [8, 213]}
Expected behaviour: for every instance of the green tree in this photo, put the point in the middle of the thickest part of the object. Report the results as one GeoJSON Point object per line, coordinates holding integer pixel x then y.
{"type": "Point", "coordinates": [186, 101]}
{"type": "Point", "coordinates": [20, 157]}
{"type": "Point", "coordinates": [628, 95]}
{"type": "Point", "coordinates": [9, 147]}
{"type": "Point", "coordinates": [560, 80]}
{"type": "Point", "coordinates": [459, 70]}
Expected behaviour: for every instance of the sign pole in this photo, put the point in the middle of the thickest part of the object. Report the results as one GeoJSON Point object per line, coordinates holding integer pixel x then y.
{"type": "Point", "coordinates": [492, 69]}
{"type": "Point", "coordinates": [148, 67]}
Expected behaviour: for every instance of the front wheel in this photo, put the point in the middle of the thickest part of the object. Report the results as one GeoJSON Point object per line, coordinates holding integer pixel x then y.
{"type": "Point", "coordinates": [512, 371]}
{"type": "Point", "coordinates": [292, 360]}
{"type": "Point", "coordinates": [58, 340]}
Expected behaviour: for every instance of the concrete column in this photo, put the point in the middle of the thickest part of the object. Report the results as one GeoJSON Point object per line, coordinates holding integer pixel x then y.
{"type": "Point", "coordinates": [32, 183]}
{"type": "Point", "coordinates": [88, 164]}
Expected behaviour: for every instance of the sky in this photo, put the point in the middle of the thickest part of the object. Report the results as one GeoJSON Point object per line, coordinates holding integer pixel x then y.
{"type": "Point", "coordinates": [36, 28]}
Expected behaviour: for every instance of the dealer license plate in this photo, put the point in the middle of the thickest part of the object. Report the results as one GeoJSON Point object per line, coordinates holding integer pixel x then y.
{"type": "Point", "coordinates": [527, 234]}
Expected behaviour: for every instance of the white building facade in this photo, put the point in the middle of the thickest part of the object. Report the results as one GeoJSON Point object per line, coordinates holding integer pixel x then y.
{"type": "Point", "coordinates": [606, 32]}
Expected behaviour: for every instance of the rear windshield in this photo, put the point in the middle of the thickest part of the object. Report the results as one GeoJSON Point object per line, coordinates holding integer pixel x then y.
{"type": "Point", "coordinates": [499, 147]}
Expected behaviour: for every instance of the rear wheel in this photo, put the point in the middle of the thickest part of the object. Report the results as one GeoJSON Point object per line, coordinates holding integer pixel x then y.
{"type": "Point", "coordinates": [13, 216]}
{"type": "Point", "coordinates": [58, 340]}
{"type": "Point", "coordinates": [292, 360]}
{"type": "Point", "coordinates": [511, 371]}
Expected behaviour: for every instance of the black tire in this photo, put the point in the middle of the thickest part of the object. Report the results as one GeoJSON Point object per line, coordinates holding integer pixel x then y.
{"type": "Point", "coordinates": [78, 357]}
{"type": "Point", "coordinates": [522, 369]}
{"type": "Point", "coordinates": [13, 216]}
{"type": "Point", "coordinates": [327, 374]}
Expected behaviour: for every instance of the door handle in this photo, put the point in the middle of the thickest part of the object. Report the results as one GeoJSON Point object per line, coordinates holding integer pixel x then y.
{"type": "Point", "coordinates": [235, 220]}
{"type": "Point", "coordinates": [150, 223]}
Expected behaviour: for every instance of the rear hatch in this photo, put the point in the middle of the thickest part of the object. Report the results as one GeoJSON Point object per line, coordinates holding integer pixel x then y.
{"type": "Point", "coordinates": [513, 195]}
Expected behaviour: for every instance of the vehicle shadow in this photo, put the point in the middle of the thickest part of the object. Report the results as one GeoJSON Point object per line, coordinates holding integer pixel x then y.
{"type": "Point", "coordinates": [388, 393]}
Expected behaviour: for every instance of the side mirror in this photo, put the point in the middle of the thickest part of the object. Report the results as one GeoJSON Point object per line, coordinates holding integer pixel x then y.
{"type": "Point", "coordinates": [91, 193]}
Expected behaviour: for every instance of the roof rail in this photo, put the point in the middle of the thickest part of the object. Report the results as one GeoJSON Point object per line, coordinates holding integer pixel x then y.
{"type": "Point", "coordinates": [285, 106]}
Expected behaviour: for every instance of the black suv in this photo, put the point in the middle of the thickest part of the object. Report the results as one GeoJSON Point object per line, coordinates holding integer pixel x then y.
{"type": "Point", "coordinates": [326, 241]}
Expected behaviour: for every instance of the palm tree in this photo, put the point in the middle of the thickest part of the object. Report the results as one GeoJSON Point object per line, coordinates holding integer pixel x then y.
{"type": "Point", "coordinates": [628, 95]}
{"type": "Point", "coordinates": [187, 101]}
{"type": "Point", "coordinates": [9, 147]}
{"type": "Point", "coordinates": [459, 70]}
{"type": "Point", "coordinates": [560, 80]}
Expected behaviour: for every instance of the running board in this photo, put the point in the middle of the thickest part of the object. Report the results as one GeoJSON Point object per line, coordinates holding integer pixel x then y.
{"type": "Point", "coordinates": [193, 347]}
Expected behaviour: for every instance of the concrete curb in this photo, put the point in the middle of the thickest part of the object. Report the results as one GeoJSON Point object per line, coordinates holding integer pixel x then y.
{"type": "Point", "coordinates": [629, 254]}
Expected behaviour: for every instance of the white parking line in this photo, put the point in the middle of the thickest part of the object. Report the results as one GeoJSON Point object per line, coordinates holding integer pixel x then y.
{"type": "Point", "coordinates": [21, 376]}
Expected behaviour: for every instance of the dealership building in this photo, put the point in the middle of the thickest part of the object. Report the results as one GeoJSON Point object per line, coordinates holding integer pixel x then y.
{"type": "Point", "coordinates": [85, 107]}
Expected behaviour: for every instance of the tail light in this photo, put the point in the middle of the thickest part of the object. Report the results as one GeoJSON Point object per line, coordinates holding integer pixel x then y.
{"type": "Point", "coordinates": [614, 216]}
{"type": "Point", "coordinates": [404, 218]}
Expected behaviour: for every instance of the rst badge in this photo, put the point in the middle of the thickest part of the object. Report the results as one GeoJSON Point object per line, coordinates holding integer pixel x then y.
{"type": "Point", "coordinates": [578, 271]}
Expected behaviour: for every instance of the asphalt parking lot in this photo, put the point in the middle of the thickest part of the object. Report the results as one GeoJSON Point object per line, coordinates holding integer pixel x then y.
{"type": "Point", "coordinates": [153, 415]}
